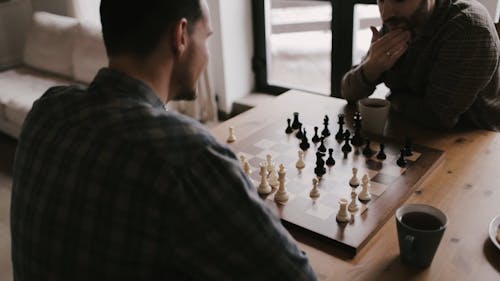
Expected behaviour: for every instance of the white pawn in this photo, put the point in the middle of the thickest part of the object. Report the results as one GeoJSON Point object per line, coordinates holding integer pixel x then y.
{"type": "Point", "coordinates": [353, 206]}
{"type": "Point", "coordinates": [314, 194]}
{"type": "Point", "coordinates": [365, 195]}
{"type": "Point", "coordinates": [264, 187]}
{"type": "Point", "coordinates": [270, 163]}
{"type": "Point", "coordinates": [354, 182]}
{"type": "Point", "coordinates": [243, 159]}
{"type": "Point", "coordinates": [343, 215]}
{"type": "Point", "coordinates": [273, 177]}
{"type": "Point", "coordinates": [232, 137]}
{"type": "Point", "coordinates": [300, 163]}
{"type": "Point", "coordinates": [281, 196]}
{"type": "Point", "coordinates": [247, 169]}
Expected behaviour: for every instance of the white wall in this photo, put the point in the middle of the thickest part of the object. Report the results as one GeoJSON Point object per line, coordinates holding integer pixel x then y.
{"type": "Point", "coordinates": [231, 50]}
{"type": "Point", "coordinates": [15, 17]}
{"type": "Point", "coordinates": [493, 7]}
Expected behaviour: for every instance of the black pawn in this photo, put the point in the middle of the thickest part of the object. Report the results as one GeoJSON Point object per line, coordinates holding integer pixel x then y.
{"type": "Point", "coordinates": [340, 134]}
{"type": "Point", "coordinates": [322, 147]}
{"type": "Point", "coordinates": [402, 161]}
{"type": "Point", "coordinates": [319, 170]}
{"type": "Point", "coordinates": [299, 132]}
{"type": "Point", "coordinates": [346, 148]}
{"type": "Point", "coordinates": [295, 124]}
{"type": "Point", "coordinates": [381, 154]}
{"type": "Point", "coordinates": [408, 147]}
{"type": "Point", "coordinates": [304, 145]}
{"type": "Point", "coordinates": [289, 128]}
{"type": "Point", "coordinates": [316, 138]}
{"type": "Point", "coordinates": [367, 151]}
{"type": "Point", "coordinates": [330, 161]}
{"type": "Point", "coordinates": [326, 132]}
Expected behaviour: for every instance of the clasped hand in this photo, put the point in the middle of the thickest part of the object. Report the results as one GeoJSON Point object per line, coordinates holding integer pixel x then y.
{"type": "Point", "coordinates": [384, 51]}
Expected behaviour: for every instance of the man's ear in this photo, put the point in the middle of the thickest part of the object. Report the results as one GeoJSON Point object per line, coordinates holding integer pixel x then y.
{"type": "Point", "coordinates": [180, 36]}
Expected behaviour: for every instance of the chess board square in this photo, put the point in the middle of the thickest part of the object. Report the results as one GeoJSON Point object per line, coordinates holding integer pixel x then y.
{"type": "Point", "coordinates": [373, 164]}
{"type": "Point", "coordinates": [251, 150]}
{"type": "Point", "coordinates": [320, 211]}
{"type": "Point", "coordinates": [383, 178]}
{"type": "Point", "coordinates": [295, 186]}
{"type": "Point", "coordinates": [285, 159]}
{"type": "Point", "coordinates": [377, 188]}
{"type": "Point", "coordinates": [264, 144]}
{"type": "Point", "coordinates": [413, 157]}
{"type": "Point", "coordinates": [281, 148]}
{"type": "Point", "coordinates": [255, 162]}
{"type": "Point", "coordinates": [394, 170]}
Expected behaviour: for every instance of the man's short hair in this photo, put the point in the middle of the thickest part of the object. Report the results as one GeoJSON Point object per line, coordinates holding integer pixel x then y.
{"type": "Point", "coordinates": [136, 27]}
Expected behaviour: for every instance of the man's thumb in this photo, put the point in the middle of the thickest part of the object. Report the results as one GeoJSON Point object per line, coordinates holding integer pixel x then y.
{"type": "Point", "coordinates": [375, 33]}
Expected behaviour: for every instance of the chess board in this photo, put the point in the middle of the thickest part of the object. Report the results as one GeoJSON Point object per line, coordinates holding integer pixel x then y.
{"type": "Point", "coordinates": [391, 185]}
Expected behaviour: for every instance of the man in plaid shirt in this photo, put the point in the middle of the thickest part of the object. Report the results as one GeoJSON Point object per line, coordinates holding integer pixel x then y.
{"type": "Point", "coordinates": [440, 58]}
{"type": "Point", "coordinates": [110, 186]}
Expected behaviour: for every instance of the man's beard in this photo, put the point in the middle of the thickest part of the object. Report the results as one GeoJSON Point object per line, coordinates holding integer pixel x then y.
{"type": "Point", "coordinates": [186, 95]}
{"type": "Point", "coordinates": [414, 21]}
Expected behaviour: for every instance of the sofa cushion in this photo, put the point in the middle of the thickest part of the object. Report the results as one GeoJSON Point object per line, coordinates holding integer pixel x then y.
{"type": "Point", "coordinates": [49, 43]}
{"type": "Point", "coordinates": [89, 54]}
{"type": "Point", "coordinates": [21, 87]}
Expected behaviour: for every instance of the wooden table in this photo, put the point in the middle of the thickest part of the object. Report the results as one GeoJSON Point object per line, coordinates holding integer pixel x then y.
{"type": "Point", "coordinates": [466, 187]}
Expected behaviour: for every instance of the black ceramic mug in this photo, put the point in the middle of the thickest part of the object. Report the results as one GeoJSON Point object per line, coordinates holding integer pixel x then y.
{"type": "Point", "coordinates": [420, 229]}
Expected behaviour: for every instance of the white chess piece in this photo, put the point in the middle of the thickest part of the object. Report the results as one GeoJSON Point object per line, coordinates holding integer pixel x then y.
{"type": "Point", "coordinates": [270, 163]}
{"type": "Point", "coordinates": [281, 196]}
{"type": "Point", "coordinates": [354, 182]}
{"type": "Point", "coordinates": [264, 187]}
{"type": "Point", "coordinates": [300, 163]}
{"type": "Point", "coordinates": [273, 177]}
{"type": "Point", "coordinates": [343, 215]}
{"type": "Point", "coordinates": [232, 137]}
{"type": "Point", "coordinates": [247, 168]}
{"type": "Point", "coordinates": [314, 194]}
{"type": "Point", "coordinates": [353, 206]}
{"type": "Point", "coordinates": [365, 195]}
{"type": "Point", "coordinates": [243, 159]}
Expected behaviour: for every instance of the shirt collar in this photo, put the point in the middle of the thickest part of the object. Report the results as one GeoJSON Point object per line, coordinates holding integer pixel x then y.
{"type": "Point", "coordinates": [114, 82]}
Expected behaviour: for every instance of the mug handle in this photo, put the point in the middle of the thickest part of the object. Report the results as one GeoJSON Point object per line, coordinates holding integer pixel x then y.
{"type": "Point", "coordinates": [408, 245]}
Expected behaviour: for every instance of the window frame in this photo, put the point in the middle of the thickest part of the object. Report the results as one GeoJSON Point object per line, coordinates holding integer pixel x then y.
{"type": "Point", "coordinates": [342, 43]}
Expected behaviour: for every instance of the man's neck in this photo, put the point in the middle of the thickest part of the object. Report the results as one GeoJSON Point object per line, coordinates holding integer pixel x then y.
{"type": "Point", "coordinates": [153, 75]}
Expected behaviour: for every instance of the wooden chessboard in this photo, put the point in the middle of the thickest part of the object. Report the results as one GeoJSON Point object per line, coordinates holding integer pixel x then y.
{"type": "Point", "coordinates": [390, 184]}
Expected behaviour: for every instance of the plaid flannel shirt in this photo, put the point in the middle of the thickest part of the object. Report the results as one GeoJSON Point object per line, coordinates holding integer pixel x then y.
{"type": "Point", "coordinates": [108, 185]}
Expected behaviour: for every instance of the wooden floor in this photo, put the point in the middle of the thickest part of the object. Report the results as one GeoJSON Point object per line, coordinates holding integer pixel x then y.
{"type": "Point", "coordinates": [7, 151]}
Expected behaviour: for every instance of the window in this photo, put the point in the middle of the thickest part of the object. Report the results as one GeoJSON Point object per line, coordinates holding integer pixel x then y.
{"type": "Point", "coordinates": [309, 44]}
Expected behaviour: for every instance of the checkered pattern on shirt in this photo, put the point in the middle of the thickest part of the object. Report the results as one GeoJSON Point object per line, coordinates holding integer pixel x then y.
{"type": "Point", "coordinates": [110, 186]}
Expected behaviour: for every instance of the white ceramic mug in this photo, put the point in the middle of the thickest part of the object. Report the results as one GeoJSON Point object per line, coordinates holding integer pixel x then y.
{"type": "Point", "coordinates": [374, 113]}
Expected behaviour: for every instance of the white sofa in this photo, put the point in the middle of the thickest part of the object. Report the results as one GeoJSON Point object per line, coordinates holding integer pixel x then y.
{"type": "Point", "coordinates": [58, 50]}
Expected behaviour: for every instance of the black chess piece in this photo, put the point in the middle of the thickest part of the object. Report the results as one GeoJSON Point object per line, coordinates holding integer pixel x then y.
{"type": "Point", "coordinates": [296, 122]}
{"type": "Point", "coordinates": [402, 161]}
{"type": "Point", "coordinates": [299, 132]}
{"type": "Point", "coordinates": [319, 170]}
{"type": "Point", "coordinates": [367, 151]}
{"type": "Point", "coordinates": [340, 134]}
{"type": "Point", "coordinates": [330, 161]}
{"type": "Point", "coordinates": [304, 145]}
{"type": "Point", "coordinates": [326, 132]}
{"type": "Point", "coordinates": [357, 139]}
{"type": "Point", "coordinates": [381, 154]}
{"type": "Point", "coordinates": [322, 147]}
{"type": "Point", "coordinates": [289, 129]}
{"type": "Point", "coordinates": [408, 147]}
{"type": "Point", "coordinates": [346, 147]}
{"type": "Point", "coordinates": [316, 138]}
